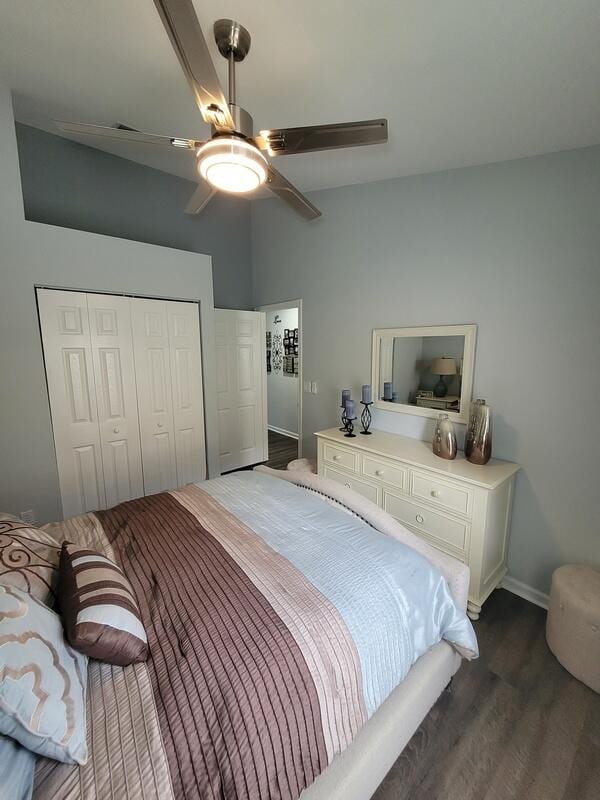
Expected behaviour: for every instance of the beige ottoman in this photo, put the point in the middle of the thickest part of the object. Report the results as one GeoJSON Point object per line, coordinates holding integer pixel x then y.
{"type": "Point", "coordinates": [302, 465]}
{"type": "Point", "coordinates": [573, 624]}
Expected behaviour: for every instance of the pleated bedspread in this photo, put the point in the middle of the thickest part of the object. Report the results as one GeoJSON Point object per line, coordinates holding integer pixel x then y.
{"type": "Point", "coordinates": [276, 625]}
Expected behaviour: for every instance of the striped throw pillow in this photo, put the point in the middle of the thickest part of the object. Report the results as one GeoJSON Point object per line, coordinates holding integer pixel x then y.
{"type": "Point", "coordinates": [99, 611]}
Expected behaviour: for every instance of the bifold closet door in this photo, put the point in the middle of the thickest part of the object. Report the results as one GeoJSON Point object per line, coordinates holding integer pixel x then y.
{"type": "Point", "coordinates": [71, 388]}
{"type": "Point", "coordinates": [241, 387]}
{"type": "Point", "coordinates": [116, 396]}
{"type": "Point", "coordinates": [166, 340]}
{"type": "Point", "coordinates": [183, 322]}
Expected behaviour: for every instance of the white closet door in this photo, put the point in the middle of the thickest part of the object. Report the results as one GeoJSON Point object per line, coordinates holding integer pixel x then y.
{"type": "Point", "coordinates": [241, 382]}
{"type": "Point", "coordinates": [112, 352]}
{"type": "Point", "coordinates": [153, 377]}
{"type": "Point", "coordinates": [71, 387]}
{"type": "Point", "coordinates": [186, 389]}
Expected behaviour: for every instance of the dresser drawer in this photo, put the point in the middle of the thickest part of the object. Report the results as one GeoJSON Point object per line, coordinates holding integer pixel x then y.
{"type": "Point", "coordinates": [441, 494]}
{"type": "Point", "coordinates": [449, 531]}
{"type": "Point", "coordinates": [384, 471]}
{"type": "Point", "coordinates": [332, 454]}
{"type": "Point", "coordinates": [359, 486]}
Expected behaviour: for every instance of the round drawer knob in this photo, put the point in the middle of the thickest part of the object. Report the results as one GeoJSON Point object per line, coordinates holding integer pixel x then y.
{"type": "Point", "coordinates": [159, 424]}
{"type": "Point", "coordinates": [379, 473]}
{"type": "Point", "coordinates": [419, 518]}
{"type": "Point", "coordinates": [435, 493]}
{"type": "Point", "coordinates": [336, 458]}
{"type": "Point", "coordinates": [348, 485]}
{"type": "Point", "coordinates": [115, 430]}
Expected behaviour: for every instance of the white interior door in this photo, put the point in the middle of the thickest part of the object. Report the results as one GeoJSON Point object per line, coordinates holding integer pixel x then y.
{"type": "Point", "coordinates": [71, 387]}
{"type": "Point", "coordinates": [155, 406]}
{"type": "Point", "coordinates": [116, 397]}
{"type": "Point", "coordinates": [186, 389]}
{"type": "Point", "coordinates": [241, 382]}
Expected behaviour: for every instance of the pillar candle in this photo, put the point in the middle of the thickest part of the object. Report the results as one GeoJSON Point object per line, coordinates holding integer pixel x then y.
{"type": "Point", "coordinates": [366, 393]}
{"type": "Point", "coordinates": [350, 409]}
{"type": "Point", "coordinates": [346, 394]}
{"type": "Point", "coordinates": [387, 390]}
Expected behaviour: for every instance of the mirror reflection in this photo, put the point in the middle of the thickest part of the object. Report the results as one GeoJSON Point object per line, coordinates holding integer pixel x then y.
{"type": "Point", "coordinates": [424, 371]}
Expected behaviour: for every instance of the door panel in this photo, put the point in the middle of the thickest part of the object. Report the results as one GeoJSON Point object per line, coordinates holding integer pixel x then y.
{"type": "Point", "coordinates": [89, 487]}
{"type": "Point", "coordinates": [114, 372]}
{"type": "Point", "coordinates": [241, 369]}
{"type": "Point", "coordinates": [71, 387]}
{"type": "Point", "coordinates": [186, 391]}
{"type": "Point", "coordinates": [153, 377]}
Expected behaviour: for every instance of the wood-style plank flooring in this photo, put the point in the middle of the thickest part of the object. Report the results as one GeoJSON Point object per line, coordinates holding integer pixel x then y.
{"type": "Point", "coordinates": [282, 450]}
{"type": "Point", "coordinates": [514, 725]}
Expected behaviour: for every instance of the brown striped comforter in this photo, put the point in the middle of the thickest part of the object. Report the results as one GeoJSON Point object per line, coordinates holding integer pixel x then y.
{"type": "Point", "coordinates": [253, 683]}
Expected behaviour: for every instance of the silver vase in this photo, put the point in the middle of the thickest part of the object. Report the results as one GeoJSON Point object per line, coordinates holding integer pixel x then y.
{"type": "Point", "coordinates": [444, 438]}
{"type": "Point", "coordinates": [478, 438]}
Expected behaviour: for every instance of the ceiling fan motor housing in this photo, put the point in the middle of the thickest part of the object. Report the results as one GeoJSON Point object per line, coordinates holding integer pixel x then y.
{"type": "Point", "coordinates": [242, 121]}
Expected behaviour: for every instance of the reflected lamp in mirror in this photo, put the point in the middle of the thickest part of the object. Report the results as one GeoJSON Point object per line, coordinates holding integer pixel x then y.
{"type": "Point", "coordinates": [442, 366]}
{"type": "Point", "coordinates": [423, 371]}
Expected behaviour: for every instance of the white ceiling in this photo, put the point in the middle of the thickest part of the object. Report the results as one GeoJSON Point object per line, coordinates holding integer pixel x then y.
{"type": "Point", "coordinates": [461, 82]}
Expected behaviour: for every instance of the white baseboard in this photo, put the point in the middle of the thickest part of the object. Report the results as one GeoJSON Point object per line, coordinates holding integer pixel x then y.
{"type": "Point", "coordinates": [525, 591]}
{"type": "Point", "coordinates": [282, 431]}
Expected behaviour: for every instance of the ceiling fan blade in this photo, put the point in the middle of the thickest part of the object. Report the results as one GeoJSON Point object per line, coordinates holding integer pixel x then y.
{"type": "Point", "coordinates": [290, 195]}
{"type": "Point", "coordinates": [126, 134]}
{"type": "Point", "coordinates": [185, 33]}
{"type": "Point", "coordinates": [287, 141]}
{"type": "Point", "coordinates": [201, 198]}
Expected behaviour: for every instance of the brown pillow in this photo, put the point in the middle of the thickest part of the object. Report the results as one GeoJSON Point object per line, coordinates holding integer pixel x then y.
{"type": "Point", "coordinates": [99, 611]}
{"type": "Point", "coordinates": [28, 559]}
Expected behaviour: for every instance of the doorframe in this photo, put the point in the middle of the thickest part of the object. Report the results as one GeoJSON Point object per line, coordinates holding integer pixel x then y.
{"type": "Point", "coordinates": [292, 304]}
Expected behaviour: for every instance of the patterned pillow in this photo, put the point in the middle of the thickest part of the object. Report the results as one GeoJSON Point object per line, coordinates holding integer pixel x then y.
{"type": "Point", "coordinates": [28, 559]}
{"type": "Point", "coordinates": [100, 614]}
{"type": "Point", "coordinates": [17, 769]}
{"type": "Point", "coordinates": [42, 680]}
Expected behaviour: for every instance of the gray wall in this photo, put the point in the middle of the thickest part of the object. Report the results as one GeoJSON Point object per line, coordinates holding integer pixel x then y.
{"type": "Point", "coordinates": [513, 247]}
{"type": "Point", "coordinates": [34, 253]}
{"type": "Point", "coordinates": [68, 184]}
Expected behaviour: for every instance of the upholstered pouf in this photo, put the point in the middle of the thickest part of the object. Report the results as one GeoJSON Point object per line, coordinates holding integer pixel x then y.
{"type": "Point", "coordinates": [573, 624]}
{"type": "Point", "coordinates": [302, 465]}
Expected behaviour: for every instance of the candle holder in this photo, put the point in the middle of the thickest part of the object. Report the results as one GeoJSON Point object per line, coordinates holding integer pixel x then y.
{"type": "Point", "coordinates": [344, 420]}
{"type": "Point", "coordinates": [350, 428]}
{"type": "Point", "coordinates": [366, 419]}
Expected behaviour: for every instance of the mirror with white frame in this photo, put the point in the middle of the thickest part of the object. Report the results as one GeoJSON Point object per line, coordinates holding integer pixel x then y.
{"type": "Point", "coordinates": [424, 371]}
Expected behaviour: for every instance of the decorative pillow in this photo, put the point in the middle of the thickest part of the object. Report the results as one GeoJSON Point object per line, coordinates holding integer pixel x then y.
{"type": "Point", "coordinates": [42, 680]}
{"type": "Point", "coordinates": [100, 614]}
{"type": "Point", "coordinates": [28, 559]}
{"type": "Point", "coordinates": [17, 769]}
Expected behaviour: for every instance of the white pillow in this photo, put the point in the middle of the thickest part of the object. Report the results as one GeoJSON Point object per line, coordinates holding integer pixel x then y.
{"type": "Point", "coordinates": [42, 680]}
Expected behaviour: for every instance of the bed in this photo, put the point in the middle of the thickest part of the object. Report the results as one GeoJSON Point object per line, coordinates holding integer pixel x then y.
{"type": "Point", "coordinates": [298, 636]}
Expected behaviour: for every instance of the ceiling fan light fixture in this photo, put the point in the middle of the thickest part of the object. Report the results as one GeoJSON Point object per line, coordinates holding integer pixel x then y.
{"type": "Point", "coordinates": [232, 165]}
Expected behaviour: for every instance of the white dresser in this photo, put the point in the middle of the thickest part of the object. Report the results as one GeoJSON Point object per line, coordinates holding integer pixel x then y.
{"type": "Point", "coordinates": [458, 507]}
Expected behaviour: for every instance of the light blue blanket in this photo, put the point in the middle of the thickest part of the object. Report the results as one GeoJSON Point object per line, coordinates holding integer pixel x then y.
{"type": "Point", "coordinates": [395, 604]}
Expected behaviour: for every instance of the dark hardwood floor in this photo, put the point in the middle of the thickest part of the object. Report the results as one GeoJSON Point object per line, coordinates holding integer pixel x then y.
{"type": "Point", "coordinates": [514, 724]}
{"type": "Point", "coordinates": [282, 450]}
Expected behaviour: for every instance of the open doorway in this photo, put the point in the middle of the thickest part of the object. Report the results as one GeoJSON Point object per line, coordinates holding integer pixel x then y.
{"type": "Point", "coordinates": [283, 356]}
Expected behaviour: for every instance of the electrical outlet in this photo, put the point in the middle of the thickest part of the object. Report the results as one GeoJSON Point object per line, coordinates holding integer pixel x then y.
{"type": "Point", "coordinates": [313, 387]}
{"type": "Point", "coordinates": [28, 516]}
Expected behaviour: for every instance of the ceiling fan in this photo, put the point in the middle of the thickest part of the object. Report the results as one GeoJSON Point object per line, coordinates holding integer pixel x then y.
{"type": "Point", "coordinates": [233, 159]}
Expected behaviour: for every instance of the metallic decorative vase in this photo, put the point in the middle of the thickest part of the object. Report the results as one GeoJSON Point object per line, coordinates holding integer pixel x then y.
{"type": "Point", "coordinates": [444, 438]}
{"type": "Point", "coordinates": [478, 439]}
